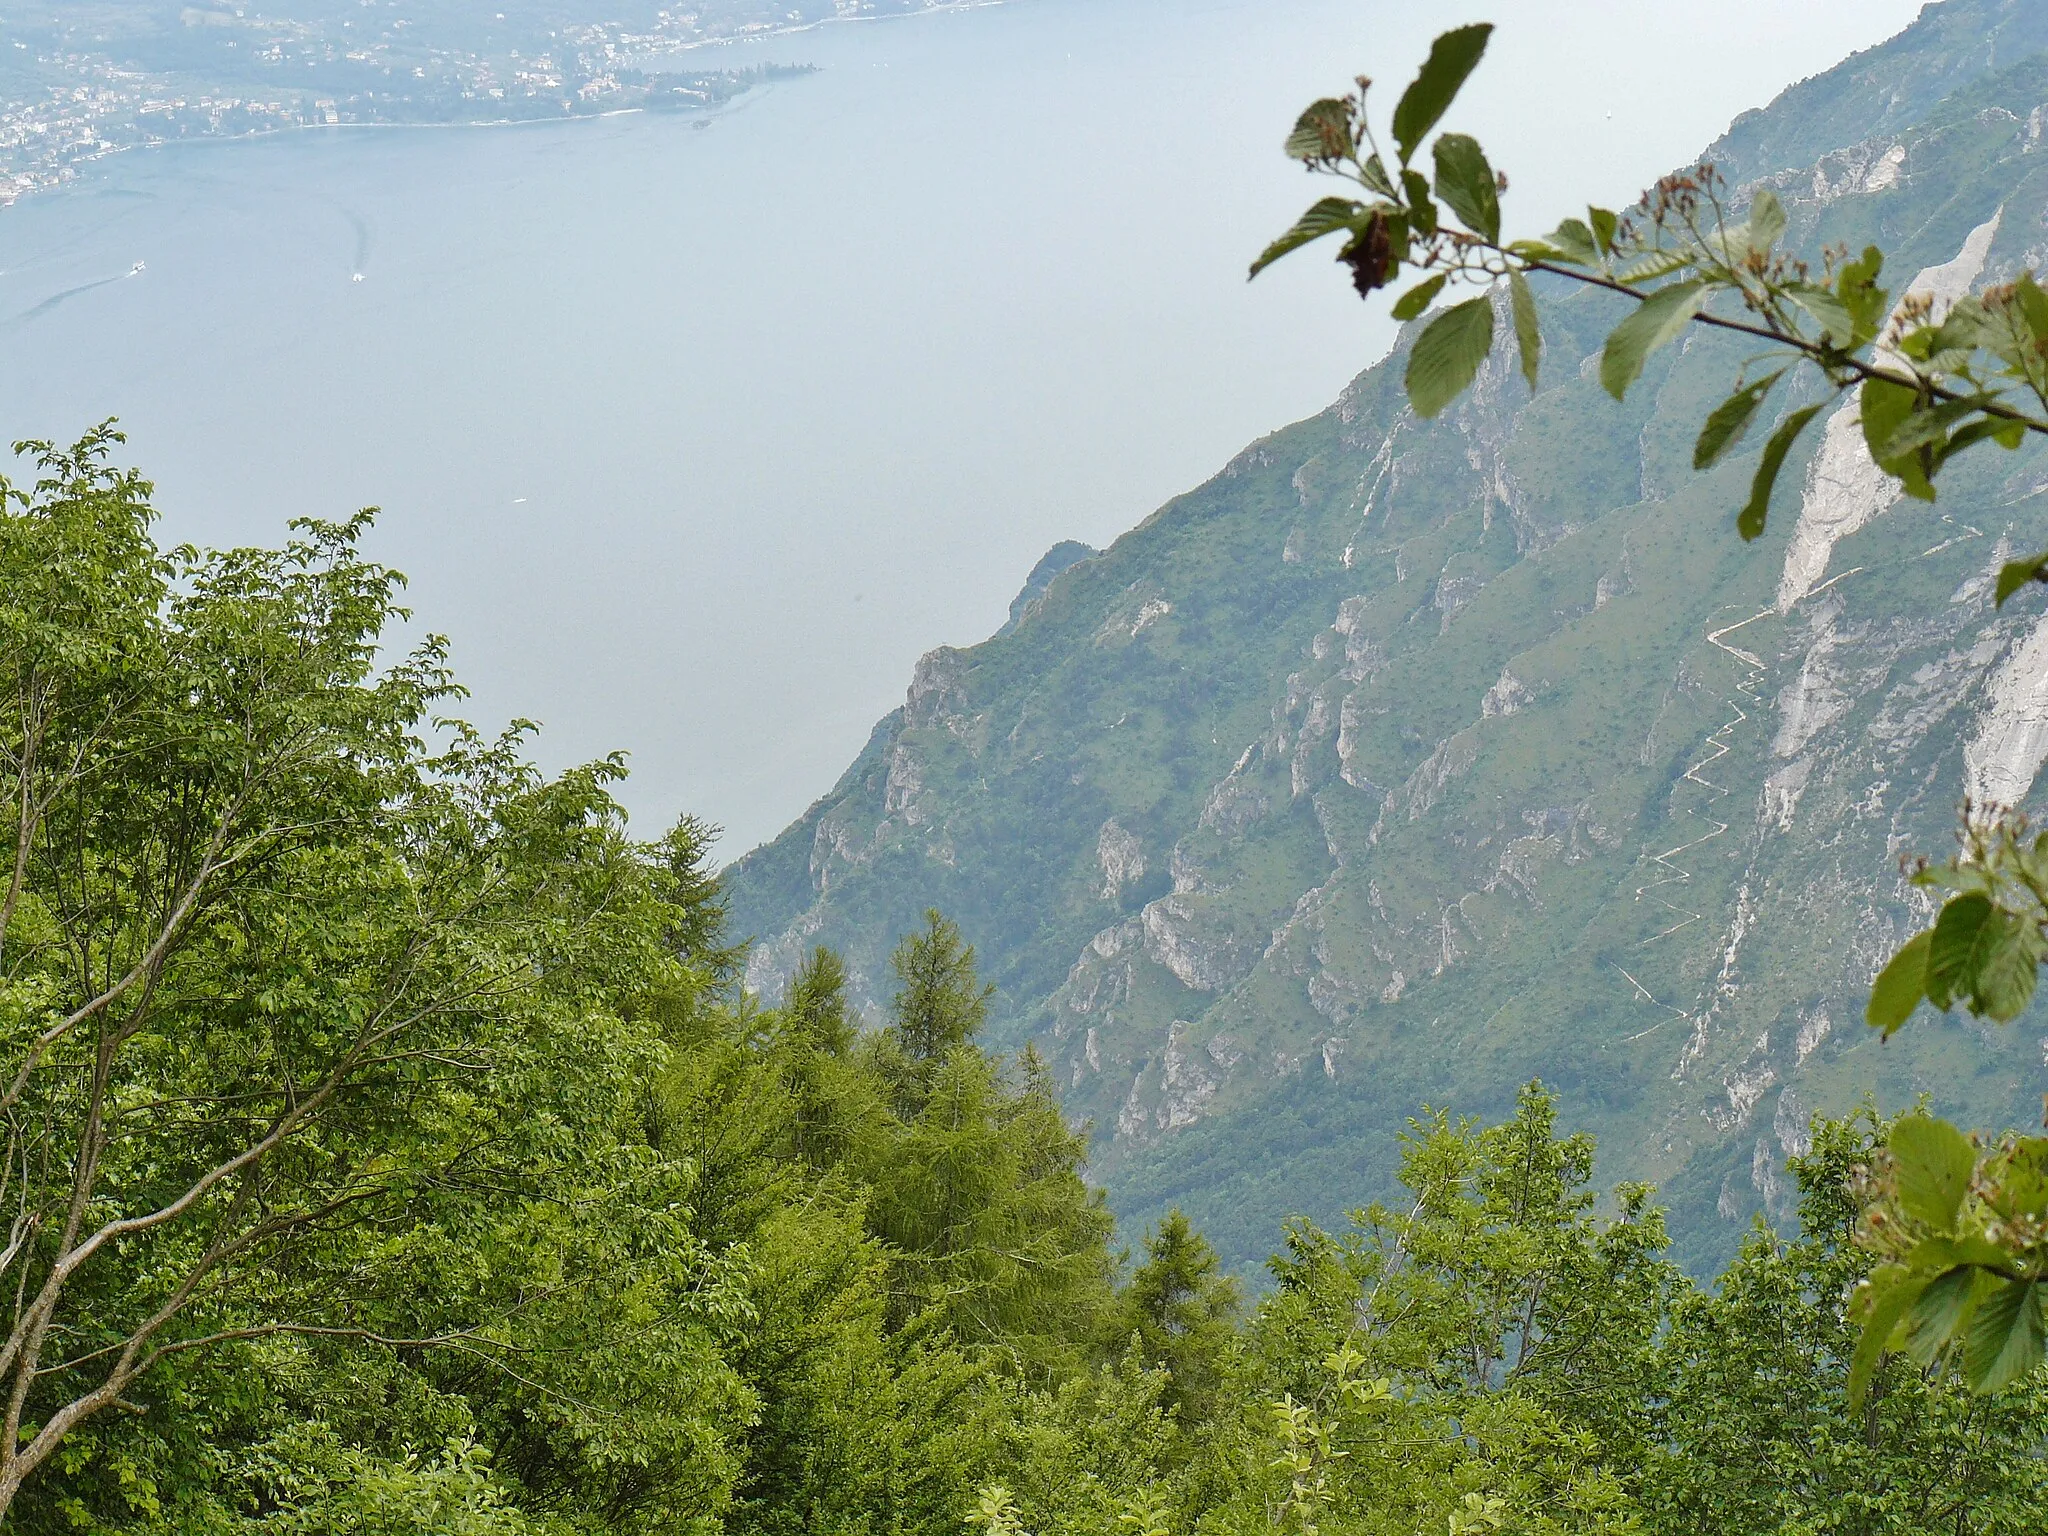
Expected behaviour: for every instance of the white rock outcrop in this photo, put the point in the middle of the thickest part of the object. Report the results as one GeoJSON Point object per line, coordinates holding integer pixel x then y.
{"type": "Point", "coordinates": [1844, 489]}
{"type": "Point", "coordinates": [2010, 742]}
{"type": "Point", "coordinates": [1505, 697]}
{"type": "Point", "coordinates": [1121, 857]}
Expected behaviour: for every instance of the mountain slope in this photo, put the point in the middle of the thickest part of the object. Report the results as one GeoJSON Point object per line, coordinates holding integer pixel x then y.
{"type": "Point", "coordinates": [1407, 760]}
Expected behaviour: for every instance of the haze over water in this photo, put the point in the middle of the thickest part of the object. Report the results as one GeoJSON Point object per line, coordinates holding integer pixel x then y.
{"type": "Point", "coordinates": [694, 438]}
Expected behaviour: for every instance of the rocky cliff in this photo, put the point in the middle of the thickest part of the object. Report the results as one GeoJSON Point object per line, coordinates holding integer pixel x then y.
{"type": "Point", "coordinates": [1407, 760]}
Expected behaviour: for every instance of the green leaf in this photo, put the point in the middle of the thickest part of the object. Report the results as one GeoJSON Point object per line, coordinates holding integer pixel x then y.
{"type": "Point", "coordinates": [1884, 407]}
{"type": "Point", "coordinates": [1418, 298]}
{"type": "Point", "coordinates": [1728, 421]}
{"type": "Point", "coordinates": [1465, 182]}
{"type": "Point", "coordinates": [1766, 220]}
{"type": "Point", "coordinates": [1954, 876]}
{"type": "Point", "coordinates": [1928, 424]}
{"type": "Point", "coordinates": [2008, 966]}
{"type": "Point", "coordinates": [1323, 132]}
{"type": "Point", "coordinates": [1528, 334]}
{"type": "Point", "coordinates": [2005, 1336]}
{"type": "Point", "coordinates": [1654, 265]}
{"type": "Point", "coordinates": [2007, 434]}
{"type": "Point", "coordinates": [1856, 286]}
{"type": "Point", "coordinates": [1934, 1162]}
{"type": "Point", "coordinates": [1749, 522]}
{"type": "Point", "coordinates": [1654, 322]}
{"type": "Point", "coordinates": [1827, 312]}
{"type": "Point", "coordinates": [1882, 1301]}
{"type": "Point", "coordinates": [1968, 325]}
{"type": "Point", "coordinates": [1940, 1313]}
{"type": "Point", "coordinates": [1604, 226]}
{"type": "Point", "coordinates": [1938, 1255]}
{"type": "Point", "coordinates": [1575, 240]}
{"type": "Point", "coordinates": [2019, 1183]}
{"type": "Point", "coordinates": [1419, 201]}
{"type": "Point", "coordinates": [1447, 356]}
{"type": "Point", "coordinates": [1325, 218]}
{"type": "Point", "coordinates": [2032, 303]}
{"type": "Point", "coordinates": [1900, 986]}
{"type": "Point", "coordinates": [1952, 952]}
{"type": "Point", "coordinates": [1452, 57]}
{"type": "Point", "coordinates": [1374, 174]}
{"type": "Point", "coordinates": [2015, 574]}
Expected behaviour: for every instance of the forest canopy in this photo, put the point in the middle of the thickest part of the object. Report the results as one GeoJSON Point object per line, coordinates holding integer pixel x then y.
{"type": "Point", "coordinates": [392, 1147]}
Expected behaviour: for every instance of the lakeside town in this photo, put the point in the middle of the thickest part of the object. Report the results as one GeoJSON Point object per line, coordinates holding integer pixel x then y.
{"type": "Point", "coordinates": [79, 82]}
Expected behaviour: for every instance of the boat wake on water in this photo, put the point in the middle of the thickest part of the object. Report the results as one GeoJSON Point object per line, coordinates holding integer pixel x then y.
{"type": "Point", "coordinates": [46, 305]}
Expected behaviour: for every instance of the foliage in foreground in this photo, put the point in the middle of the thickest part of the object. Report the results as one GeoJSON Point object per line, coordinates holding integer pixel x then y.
{"type": "Point", "coordinates": [391, 1149]}
{"type": "Point", "coordinates": [1964, 1226]}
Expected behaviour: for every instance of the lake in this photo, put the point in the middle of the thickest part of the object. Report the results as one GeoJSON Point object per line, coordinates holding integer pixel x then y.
{"type": "Point", "coordinates": [695, 437]}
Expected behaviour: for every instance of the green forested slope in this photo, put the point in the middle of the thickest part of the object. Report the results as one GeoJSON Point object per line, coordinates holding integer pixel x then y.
{"type": "Point", "coordinates": [1405, 761]}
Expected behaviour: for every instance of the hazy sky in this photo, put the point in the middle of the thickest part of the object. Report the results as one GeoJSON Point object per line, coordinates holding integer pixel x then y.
{"type": "Point", "coordinates": [695, 439]}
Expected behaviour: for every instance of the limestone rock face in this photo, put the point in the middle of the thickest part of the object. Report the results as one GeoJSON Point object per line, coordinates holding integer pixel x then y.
{"type": "Point", "coordinates": [1121, 857]}
{"type": "Point", "coordinates": [1406, 761]}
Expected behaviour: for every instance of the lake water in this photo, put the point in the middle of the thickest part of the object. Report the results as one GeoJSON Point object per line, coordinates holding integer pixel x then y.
{"type": "Point", "coordinates": [694, 438]}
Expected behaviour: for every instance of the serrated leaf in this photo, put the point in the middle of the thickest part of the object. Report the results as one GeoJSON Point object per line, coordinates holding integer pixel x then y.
{"type": "Point", "coordinates": [1656, 264]}
{"type": "Point", "coordinates": [1749, 522]}
{"type": "Point", "coordinates": [1881, 1301]}
{"type": "Point", "coordinates": [1576, 240]}
{"type": "Point", "coordinates": [1900, 987]}
{"type": "Point", "coordinates": [2015, 574]}
{"type": "Point", "coordinates": [2020, 1181]}
{"type": "Point", "coordinates": [1419, 202]}
{"type": "Point", "coordinates": [1604, 225]}
{"type": "Point", "coordinates": [1883, 407]}
{"type": "Point", "coordinates": [1827, 312]}
{"type": "Point", "coordinates": [1933, 1162]}
{"type": "Point", "coordinates": [2007, 434]}
{"type": "Point", "coordinates": [1940, 1313]}
{"type": "Point", "coordinates": [1447, 355]}
{"type": "Point", "coordinates": [1766, 220]}
{"type": "Point", "coordinates": [1322, 132]}
{"type": "Point", "coordinates": [1528, 332]}
{"type": "Point", "coordinates": [1730, 245]}
{"type": "Point", "coordinates": [1418, 298]}
{"type": "Point", "coordinates": [1325, 218]}
{"type": "Point", "coordinates": [1374, 174]}
{"type": "Point", "coordinates": [1920, 427]}
{"type": "Point", "coordinates": [2032, 304]}
{"type": "Point", "coordinates": [2005, 1336]}
{"type": "Point", "coordinates": [1856, 286]}
{"type": "Point", "coordinates": [1967, 326]}
{"type": "Point", "coordinates": [1728, 421]}
{"type": "Point", "coordinates": [1952, 948]}
{"type": "Point", "coordinates": [1655, 321]}
{"type": "Point", "coordinates": [1954, 877]}
{"type": "Point", "coordinates": [2008, 966]}
{"type": "Point", "coordinates": [1452, 57]}
{"type": "Point", "coordinates": [1465, 182]}
{"type": "Point", "coordinates": [1937, 1255]}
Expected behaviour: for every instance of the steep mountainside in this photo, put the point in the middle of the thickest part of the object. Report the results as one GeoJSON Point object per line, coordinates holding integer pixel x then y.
{"type": "Point", "coordinates": [1405, 761]}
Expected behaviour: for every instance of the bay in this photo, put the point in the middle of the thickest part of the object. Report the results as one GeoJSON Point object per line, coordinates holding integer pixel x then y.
{"type": "Point", "coordinates": [694, 437]}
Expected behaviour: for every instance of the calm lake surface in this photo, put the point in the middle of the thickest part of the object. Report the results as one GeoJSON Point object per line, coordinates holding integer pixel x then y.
{"type": "Point", "coordinates": [695, 437]}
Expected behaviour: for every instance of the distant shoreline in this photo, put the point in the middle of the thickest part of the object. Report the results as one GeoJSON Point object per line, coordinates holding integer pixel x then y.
{"type": "Point", "coordinates": [833, 21]}
{"type": "Point", "coordinates": [765, 35]}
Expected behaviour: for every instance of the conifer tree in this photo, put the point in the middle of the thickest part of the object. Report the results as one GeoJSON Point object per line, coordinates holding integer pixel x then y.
{"type": "Point", "coordinates": [941, 1002]}
{"type": "Point", "coordinates": [685, 881]}
{"type": "Point", "coordinates": [814, 1007]}
{"type": "Point", "coordinates": [1182, 1310]}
